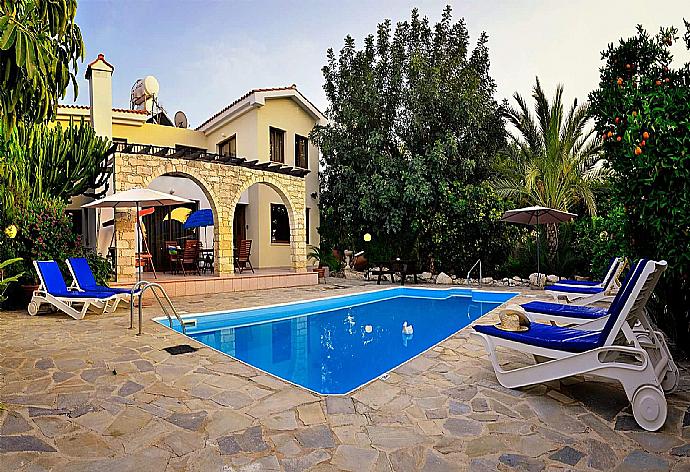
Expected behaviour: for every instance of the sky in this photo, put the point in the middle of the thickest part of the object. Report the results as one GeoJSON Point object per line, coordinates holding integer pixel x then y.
{"type": "Point", "coordinates": [205, 53]}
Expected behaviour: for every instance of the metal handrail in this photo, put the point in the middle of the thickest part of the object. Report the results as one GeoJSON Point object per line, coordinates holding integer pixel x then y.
{"type": "Point", "coordinates": [142, 287]}
{"type": "Point", "coordinates": [479, 261]}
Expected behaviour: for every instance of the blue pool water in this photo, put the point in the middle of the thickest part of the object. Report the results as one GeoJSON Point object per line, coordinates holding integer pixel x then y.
{"type": "Point", "coordinates": [334, 345]}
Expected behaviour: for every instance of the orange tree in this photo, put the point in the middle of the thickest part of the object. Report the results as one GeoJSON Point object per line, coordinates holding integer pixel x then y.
{"type": "Point", "coordinates": [642, 113]}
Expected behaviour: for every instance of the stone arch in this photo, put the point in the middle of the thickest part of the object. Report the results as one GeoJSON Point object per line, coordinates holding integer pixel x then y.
{"type": "Point", "coordinates": [294, 202]}
{"type": "Point", "coordinates": [214, 200]}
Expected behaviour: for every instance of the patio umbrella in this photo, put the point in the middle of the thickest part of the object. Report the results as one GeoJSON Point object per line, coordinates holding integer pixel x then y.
{"type": "Point", "coordinates": [537, 215]}
{"type": "Point", "coordinates": [135, 198]}
{"type": "Point", "coordinates": [178, 214]}
{"type": "Point", "coordinates": [199, 219]}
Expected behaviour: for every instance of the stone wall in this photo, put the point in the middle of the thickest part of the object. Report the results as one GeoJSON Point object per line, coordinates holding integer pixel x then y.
{"type": "Point", "coordinates": [223, 186]}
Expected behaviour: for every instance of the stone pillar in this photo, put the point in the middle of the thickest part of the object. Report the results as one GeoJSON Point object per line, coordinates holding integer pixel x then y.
{"type": "Point", "coordinates": [222, 244]}
{"type": "Point", "coordinates": [126, 245]}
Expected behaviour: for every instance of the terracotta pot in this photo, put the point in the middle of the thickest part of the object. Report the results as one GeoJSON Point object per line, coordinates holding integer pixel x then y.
{"type": "Point", "coordinates": [26, 293]}
{"type": "Point", "coordinates": [321, 271]}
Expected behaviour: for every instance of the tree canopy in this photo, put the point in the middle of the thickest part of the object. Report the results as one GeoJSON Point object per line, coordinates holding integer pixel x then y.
{"type": "Point", "coordinates": [40, 45]}
{"type": "Point", "coordinates": [413, 119]}
{"type": "Point", "coordinates": [641, 108]}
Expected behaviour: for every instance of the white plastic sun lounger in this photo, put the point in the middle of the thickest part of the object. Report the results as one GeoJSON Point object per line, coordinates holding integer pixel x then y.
{"type": "Point", "coordinates": [53, 291]}
{"type": "Point", "coordinates": [610, 271]}
{"type": "Point", "coordinates": [640, 362]}
{"type": "Point", "coordinates": [583, 295]}
{"type": "Point", "coordinates": [85, 281]}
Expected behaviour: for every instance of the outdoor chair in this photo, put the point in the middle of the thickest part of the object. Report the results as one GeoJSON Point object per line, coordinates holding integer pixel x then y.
{"type": "Point", "coordinates": [53, 291]}
{"type": "Point", "coordinates": [242, 256]}
{"type": "Point", "coordinates": [172, 251]}
{"type": "Point", "coordinates": [586, 295]}
{"type": "Point", "coordinates": [610, 271]}
{"type": "Point", "coordinates": [190, 256]}
{"type": "Point", "coordinates": [626, 349]}
{"type": "Point", "coordinates": [83, 280]}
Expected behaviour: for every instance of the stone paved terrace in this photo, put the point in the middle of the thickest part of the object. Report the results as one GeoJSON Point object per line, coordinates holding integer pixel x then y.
{"type": "Point", "coordinates": [91, 396]}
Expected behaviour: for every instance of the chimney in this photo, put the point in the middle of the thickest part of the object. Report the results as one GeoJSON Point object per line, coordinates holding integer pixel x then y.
{"type": "Point", "coordinates": [100, 76]}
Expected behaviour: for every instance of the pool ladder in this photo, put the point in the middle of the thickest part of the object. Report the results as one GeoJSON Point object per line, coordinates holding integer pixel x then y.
{"type": "Point", "coordinates": [157, 291]}
{"type": "Point", "coordinates": [479, 280]}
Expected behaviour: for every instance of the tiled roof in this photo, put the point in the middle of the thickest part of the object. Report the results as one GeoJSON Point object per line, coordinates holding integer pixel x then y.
{"type": "Point", "coordinates": [272, 89]}
{"type": "Point", "coordinates": [121, 110]}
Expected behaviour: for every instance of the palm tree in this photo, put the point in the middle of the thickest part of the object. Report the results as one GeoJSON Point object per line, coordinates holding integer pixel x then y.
{"type": "Point", "coordinates": [553, 160]}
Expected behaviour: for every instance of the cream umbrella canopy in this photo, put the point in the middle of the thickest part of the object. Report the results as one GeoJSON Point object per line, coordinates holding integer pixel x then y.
{"type": "Point", "coordinates": [537, 215]}
{"type": "Point", "coordinates": [135, 198]}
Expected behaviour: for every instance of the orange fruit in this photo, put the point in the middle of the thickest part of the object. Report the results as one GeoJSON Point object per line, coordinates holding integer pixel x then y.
{"type": "Point", "coordinates": [619, 81]}
{"type": "Point", "coordinates": [609, 134]}
{"type": "Point", "coordinates": [658, 82]}
{"type": "Point", "coordinates": [645, 135]}
{"type": "Point", "coordinates": [638, 151]}
{"type": "Point", "coordinates": [627, 66]}
{"type": "Point", "coordinates": [634, 113]}
{"type": "Point", "coordinates": [642, 143]}
{"type": "Point", "coordinates": [619, 139]}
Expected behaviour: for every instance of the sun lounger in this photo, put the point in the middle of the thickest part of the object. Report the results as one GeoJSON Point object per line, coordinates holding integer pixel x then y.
{"type": "Point", "coordinates": [53, 291]}
{"type": "Point", "coordinates": [84, 280]}
{"type": "Point", "coordinates": [586, 295]}
{"type": "Point", "coordinates": [640, 362]}
{"type": "Point", "coordinates": [613, 264]}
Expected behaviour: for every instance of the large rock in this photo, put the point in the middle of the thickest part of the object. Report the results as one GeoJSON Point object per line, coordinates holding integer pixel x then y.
{"type": "Point", "coordinates": [425, 276]}
{"type": "Point", "coordinates": [552, 279]}
{"type": "Point", "coordinates": [444, 279]}
{"type": "Point", "coordinates": [487, 280]}
{"type": "Point", "coordinates": [535, 279]}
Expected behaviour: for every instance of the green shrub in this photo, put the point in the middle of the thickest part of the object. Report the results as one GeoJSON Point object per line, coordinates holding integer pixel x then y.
{"type": "Point", "coordinates": [44, 232]}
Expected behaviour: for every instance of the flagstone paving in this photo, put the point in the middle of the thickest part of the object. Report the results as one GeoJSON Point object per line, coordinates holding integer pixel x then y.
{"type": "Point", "coordinates": [90, 396]}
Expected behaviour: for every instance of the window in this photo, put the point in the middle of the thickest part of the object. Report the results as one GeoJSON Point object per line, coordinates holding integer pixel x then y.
{"type": "Point", "coordinates": [306, 224]}
{"type": "Point", "coordinates": [277, 144]}
{"type": "Point", "coordinates": [228, 147]}
{"type": "Point", "coordinates": [301, 152]}
{"type": "Point", "coordinates": [280, 224]}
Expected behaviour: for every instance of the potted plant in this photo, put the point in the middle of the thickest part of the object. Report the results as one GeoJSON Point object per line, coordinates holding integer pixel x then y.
{"type": "Point", "coordinates": [325, 259]}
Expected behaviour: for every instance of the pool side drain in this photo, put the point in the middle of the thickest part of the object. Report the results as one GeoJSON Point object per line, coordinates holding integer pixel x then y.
{"type": "Point", "coordinates": [180, 349]}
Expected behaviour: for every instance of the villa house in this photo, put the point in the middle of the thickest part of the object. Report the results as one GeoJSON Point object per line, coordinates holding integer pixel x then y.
{"type": "Point", "coordinates": [252, 163]}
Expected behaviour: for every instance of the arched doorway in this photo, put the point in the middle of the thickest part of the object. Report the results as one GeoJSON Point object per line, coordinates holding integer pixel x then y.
{"type": "Point", "coordinates": [264, 214]}
{"type": "Point", "coordinates": [166, 227]}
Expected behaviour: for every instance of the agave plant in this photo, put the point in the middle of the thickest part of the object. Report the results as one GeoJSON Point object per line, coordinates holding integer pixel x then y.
{"type": "Point", "coordinates": [554, 159]}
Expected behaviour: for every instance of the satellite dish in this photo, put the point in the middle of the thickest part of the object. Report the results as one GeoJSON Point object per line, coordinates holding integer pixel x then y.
{"type": "Point", "coordinates": [181, 120]}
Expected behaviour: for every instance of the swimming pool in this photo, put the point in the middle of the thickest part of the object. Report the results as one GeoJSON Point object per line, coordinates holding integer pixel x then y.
{"type": "Point", "coordinates": [337, 344]}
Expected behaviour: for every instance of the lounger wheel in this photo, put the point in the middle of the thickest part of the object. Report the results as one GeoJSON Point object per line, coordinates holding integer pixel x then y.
{"type": "Point", "coordinates": [33, 308]}
{"type": "Point", "coordinates": [670, 381]}
{"type": "Point", "coordinates": [649, 407]}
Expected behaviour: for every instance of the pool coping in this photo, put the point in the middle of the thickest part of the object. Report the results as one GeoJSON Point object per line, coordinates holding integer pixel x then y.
{"type": "Point", "coordinates": [383, 377]}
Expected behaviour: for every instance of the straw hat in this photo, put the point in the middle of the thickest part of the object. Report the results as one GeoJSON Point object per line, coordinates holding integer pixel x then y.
{"type": "Point", "coordinates": [513, 319]}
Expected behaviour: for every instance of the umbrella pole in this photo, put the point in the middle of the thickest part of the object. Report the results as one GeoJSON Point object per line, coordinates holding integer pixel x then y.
{"type": "Point", "coordinates": [538, 258]}
{"type": "Point", "coordinates": [137, 259]}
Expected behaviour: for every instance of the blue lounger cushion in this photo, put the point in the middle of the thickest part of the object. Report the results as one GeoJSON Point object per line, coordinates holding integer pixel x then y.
{"type": "Point", "coordinates": [86, 279]}
{"type": "Point", "coordinates": [567, 289]}
{"type": "Point", "coordinates": [55, 283]}
{"type": "Point", "coordinates": [583, 283]}
{"type": "Point", "coordinates": [558, 309]}
{"type": "Point", "coordinates": [547, 336]}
